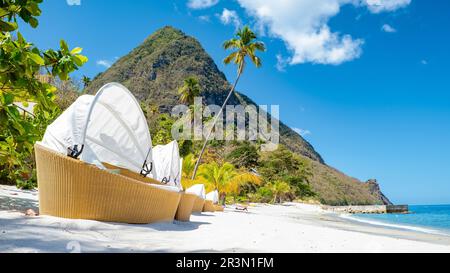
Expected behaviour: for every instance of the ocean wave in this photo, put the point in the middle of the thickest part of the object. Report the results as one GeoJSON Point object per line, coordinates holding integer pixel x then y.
{"type": "Point", "coordinates": [396, 226]}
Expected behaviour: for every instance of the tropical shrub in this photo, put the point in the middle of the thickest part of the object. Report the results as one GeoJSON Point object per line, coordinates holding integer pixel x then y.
{"type": "Point", "coordinates": [280, 191]}
{"type": "Point", "coordinates": [21, 63]}
{"type": "Point", "coordinates": [299, 187]}
{"type": "Point", "coordinates": [283, 165]}
{"type": "Point", "coordinates": [263, 195]}
{"type": "Point", "coordinates": [226, 178]}
{"type": "Point", "coordinates": [244, 154]}
{"type": "Point", "coordinates": [163, 130]}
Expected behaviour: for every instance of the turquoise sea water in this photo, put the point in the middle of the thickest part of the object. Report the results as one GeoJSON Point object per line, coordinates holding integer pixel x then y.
{"type": "Point", "coordinates": [430, 219]}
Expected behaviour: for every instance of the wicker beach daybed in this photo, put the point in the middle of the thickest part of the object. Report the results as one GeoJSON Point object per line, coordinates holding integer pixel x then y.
{"type": "Point", "coordinates": [95, 162]}
{"type": "Point", "coordinates": [199, 191]}
{"type": "Point", "coordinates": [209, 206]}
{"type": "Point", "coordinates": [213, 197]}
{"type": "Point", "coordinates": [185, 207]}
{"type": "Point", "coordinates": [168, 169]}
{"type": "Point", "coordinates": [73, 189]}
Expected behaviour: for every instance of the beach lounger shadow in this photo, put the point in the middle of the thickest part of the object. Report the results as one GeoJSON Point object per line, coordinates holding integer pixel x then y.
{"type": "Point", "coordinates": [203, 214]}
{"type": "Point", "coordinates": [177, 226]}
{"type": "Point", "coordinates": [17, 204]}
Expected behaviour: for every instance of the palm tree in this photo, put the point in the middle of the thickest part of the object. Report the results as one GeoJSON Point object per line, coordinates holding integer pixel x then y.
{"type": "Point", "coordinates": [226, 179]}
{"type": "Point", "coordinates": [279, 189]}
{"type": "Point", "coordinates": [245, 45]}
{"type": "Point", "coordinates": [189, 91]}
{"type": "Point", "coordinates": [188, 166]}
{"type": "Point", "coordinates": [86, 81]}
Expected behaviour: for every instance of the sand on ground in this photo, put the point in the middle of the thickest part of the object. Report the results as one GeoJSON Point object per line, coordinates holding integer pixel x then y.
{"type": "Point", "coordinates": [265, 228]}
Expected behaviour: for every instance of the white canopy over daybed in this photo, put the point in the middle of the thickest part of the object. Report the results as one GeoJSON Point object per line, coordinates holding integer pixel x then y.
{"type": "Point", "coordinates": [111, 128]}
{"type": "Point", "coordinates": [168, 164]}
{"type": "Point", "coordinates": [213, 196]}
{"type": "Point", "coordinates": [198, 189]}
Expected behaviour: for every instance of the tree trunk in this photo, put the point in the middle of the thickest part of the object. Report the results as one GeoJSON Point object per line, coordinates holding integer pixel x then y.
{"type": "Point", "coordinates": [197, 165]}
{"type": "Point", "coordinates": [223, 199]}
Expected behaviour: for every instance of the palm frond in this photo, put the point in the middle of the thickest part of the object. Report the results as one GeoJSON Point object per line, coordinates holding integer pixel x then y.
{"type": "Point", "coordinates": [189, 90]}
{"type": "Point", "coordinates": [233, 43]}
{"type": "Point", "coordinates": [258, 46]}
{"type": "Point", "coordinates": [245, 46]}
{"type": "Point", "coordinates": [226, 179]}
{"type": "Point", "coordinates": [230, 58]}
{"type": "Point", "coordinates": [256, 60]}
{"type": "Point", "coordinates": [188, 166]}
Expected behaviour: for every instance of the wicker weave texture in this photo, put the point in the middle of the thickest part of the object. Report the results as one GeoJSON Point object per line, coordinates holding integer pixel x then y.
{"type": "Point", "coordinates": [72, 189]}
{"type": "Point", "coordinates": [209, 206]}
{"type": "Point", "coordinates": [198, 205]}
{"type": "Point", "coordinates": [185, 207]}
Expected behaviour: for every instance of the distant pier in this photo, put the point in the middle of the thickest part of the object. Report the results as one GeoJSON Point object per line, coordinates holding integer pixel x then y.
{"type": "Point", "coordinates": [391, 209]}
{"type": "Point", "coordinates": [402, 209]}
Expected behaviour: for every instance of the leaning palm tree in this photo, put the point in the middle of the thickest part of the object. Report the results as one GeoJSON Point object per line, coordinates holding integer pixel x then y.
{"type": "Point", "coordinates": [189, 91]}
{"type": "Point", "coordinates": [245, 45]}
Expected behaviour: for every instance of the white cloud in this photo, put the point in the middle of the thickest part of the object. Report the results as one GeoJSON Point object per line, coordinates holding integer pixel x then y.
{"type": "Point", "coordinates": [388, 28]}
{"type": "Point", "coordinates": [377, 6]}
{"type": "Point", "coordinates": [302, 132]}
{"type": "Point", "coordinates": [201, 4]}
{"type": "Point", "coordinates": [303, 26]}
{"type": "Point", "coordinates": [230, 17]}
{"type": "Point", "coordinates": [204, 18]}
{"type": "Point", "coordinates": [424, 62]}
{"type": "Point", "coordinates": [104, 63]}
{"type": "Point", "coordinates": [74, 2]}
{"type": "Point", "coordinates": [281, 63]}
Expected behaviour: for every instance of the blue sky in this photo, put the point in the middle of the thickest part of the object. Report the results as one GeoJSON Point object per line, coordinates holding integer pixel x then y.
{"type": "Point", "coordinates": [366, 81]}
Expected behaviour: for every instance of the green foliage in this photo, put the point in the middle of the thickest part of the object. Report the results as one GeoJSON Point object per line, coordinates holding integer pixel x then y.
{"type": "Point", "coordinates": [189, 91]}
{"type": "Point", "coordinates": [278, 164]}
{"type": "Point", "coordinates": [20, 66]}
{"type": "Point", "coordinates": [218, 176]}
{"type": "Point", "coordinates": [86, 81]}
{"type": "Point", "coordinates": [186, 147]}
{"type": "Point", "coordinates": [226, 178]}
{"type": "Point", "coordinates": [275, 192]}
{"type": "Point", "coordinates": [283, 165]}
{"type": "Point", "coordinates": [27, 10]}
{"type": "Point", "coordinates": [280, 190]}
{"type": "Point", "coordinates": [188, 166]}
{"type": "Point", "coordinates": [263, 195]}
{"type": "Point", "coordinates": [151, 113]}
{"type": "Point", "coordinates": [301, 189]}
{"type": "Point", "coordinates": [244, 154]}
{"type": "Point", "coordinates": [163, 130]}
{"type": "Point", "coordinates": [245, 45]}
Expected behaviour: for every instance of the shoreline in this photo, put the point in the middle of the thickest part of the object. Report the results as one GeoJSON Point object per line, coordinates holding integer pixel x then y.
{"type": "Point", "coordinates": [396, 231]}
{"type": "Point", "coordinates": [290, 227]}
{"type": "Point", "coordinates": [404, 227]}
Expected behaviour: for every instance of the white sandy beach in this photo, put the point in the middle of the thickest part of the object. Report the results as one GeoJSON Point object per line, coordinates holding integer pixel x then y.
{"type": "Point", "coordinates": [288, 228]}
